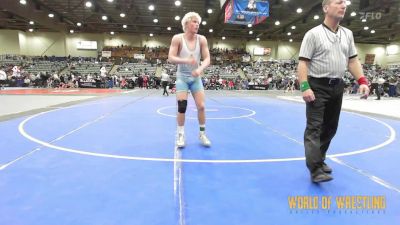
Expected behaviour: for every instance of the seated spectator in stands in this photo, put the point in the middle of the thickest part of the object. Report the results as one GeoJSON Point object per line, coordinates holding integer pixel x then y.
{"type": "Point", "coordinates": [145, 82]}
{"type": "Point", "coordinates": [17, 76]}
{"type": "Point", "coordinates": [16, 72]}
{"type": "Point", "coordinates": [392, 86]}
{"type": "Point", "coordinates": [3, 78]}
{"type": "Point", "coordinates": [354, 88]}
{"type": "Point", "coordinates": [172, 87]}
{"type": "Point", "coordinates": [290, 85]}
{"type": "Point", "coordinates": [245, 84]}
{"type": "Point", "coordinates": [27, 81]}
{"type": "Point", "coordinates": [124, 83]}
{"type": "Point", "coordinates": [140, 81]}
{"type": "Point", "coordinates": [230, 84]}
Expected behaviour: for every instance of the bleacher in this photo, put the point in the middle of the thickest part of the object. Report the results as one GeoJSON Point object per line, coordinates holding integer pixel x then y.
{"type": "Point", "coordinates": [44, 66]}
{"type": "Point", "coordinates": [88, 67]}
{"type": "Point", "coordinates": [7, 60]}
{"type": "Point", "coordinates": [227, 72]}
{"type": "Point", "coordinates": [129, 69]}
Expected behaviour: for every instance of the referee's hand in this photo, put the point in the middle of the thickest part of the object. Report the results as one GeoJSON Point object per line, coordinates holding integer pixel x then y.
{"type": "Point", "coordinates": [308, 95]}
{"type": "Point", "coordinates": [364, 90]}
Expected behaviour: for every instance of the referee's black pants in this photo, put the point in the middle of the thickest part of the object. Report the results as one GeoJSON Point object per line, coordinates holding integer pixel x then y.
{"type": "Point", "coordinates": [322, 119]}
{"type": "Point", "coordinates": [165, 84]}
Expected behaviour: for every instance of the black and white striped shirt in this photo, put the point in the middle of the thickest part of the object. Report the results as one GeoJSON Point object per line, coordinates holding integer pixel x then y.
{"type": "Point", "coordinates": [328, 52]}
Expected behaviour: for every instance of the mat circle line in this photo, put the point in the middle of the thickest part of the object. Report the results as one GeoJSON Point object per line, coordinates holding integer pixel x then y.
{"type": "Point", "coordinates": [22, 131]}
{"type": "Point", "coordinates": [252, 113]}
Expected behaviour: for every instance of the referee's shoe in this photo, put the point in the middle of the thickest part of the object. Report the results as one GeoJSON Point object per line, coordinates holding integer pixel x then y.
{"type": "Point", "coordinates": [320, 176]}
{"type": "Point", "coordinates": [326, 168]}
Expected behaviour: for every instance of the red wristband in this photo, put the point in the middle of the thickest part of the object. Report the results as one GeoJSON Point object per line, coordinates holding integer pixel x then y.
{"type": "Point", "coordinates": [362, 80]}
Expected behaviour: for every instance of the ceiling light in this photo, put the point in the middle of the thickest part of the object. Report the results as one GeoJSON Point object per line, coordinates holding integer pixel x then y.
{"type": "Point", "coordinates": [353, 14]}
{"type": "Point", "coordinates": [223, 38]}
{"type": "Point", "coordinates": [210, 30]}
{"type": "Point", "coordinates": [168, 28]}
{"type": "Point", "coordinates": [122, 15]}
{"type": "Point", "coordinates": [290, 40]}
{"type": "Point", "coordinates": [316, 17]}
{"type": "Point", "coordinates": [79, 24]}
{"type": "Point", "coordinates": [30, 30]}
{"type": "Point", "coordinates": [104, 17]}
{"type": "Point", "coordinates": [88, 4]}
{"type": "Point", "coordinates": [204, 22]}
{"type": "Point", "coordinates": [31, 22]}
{"type": "Point", "coordinates": [251, 32]}
{"type": "Point", "coordinates": [257, 39]}
{"type": "Point", "coordinates": [178, 3]}
{"type": "Point", "coordinates": [124, 26]}
{"type": "Point", "coordinates": [23, 2]}
{"type": "Point", "coordinates": [293, 27]}
{"type": "Point", "coordinates": [151, 7]}
{"type": "Point", "coordinates": [112, 33]}
{"type": "Point", "coordinates": [249, 25]}
{"type": "Point", "coordinates": [366, 28]}
{"type": "Point", "coordinates": [277, 23]}
{"type": "Point", "coordinates": [209, 11]}
{"type": "Point", "coordinates": [289, 33]}
{"type": "Point", "coordinates": [51, 15]}
{"type": "Point", "coordinates": [71, 31]}
{"type": "Point", "coordinates": [177, 17]}
{"type": "Point", "coordinates": [299, 10]}
{"type": "Point", "coordinates": [151, 34]}
{"type": "Point", "coordinates": [348, 2]}
{"type": "Point", "coordinates": [110, 0]}
{"type": "Point", "coordinates": [155, 20]}
{"type": "Point", "coordinates": [364, 20]}
{"type": "Point", "coordinates": [372, 31]}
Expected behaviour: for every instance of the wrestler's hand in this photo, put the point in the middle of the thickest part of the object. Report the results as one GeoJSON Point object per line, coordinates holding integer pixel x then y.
{"type": "Point", "coordinates": [191, 61]}
{"type": "Point", "coordinates": [308, 95]}
{"type": "Point", "coordinates": [197, 72]}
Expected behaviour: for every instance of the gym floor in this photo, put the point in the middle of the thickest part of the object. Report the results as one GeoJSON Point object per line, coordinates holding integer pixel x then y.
{"type": "Point", "coordinates": [107, 157]}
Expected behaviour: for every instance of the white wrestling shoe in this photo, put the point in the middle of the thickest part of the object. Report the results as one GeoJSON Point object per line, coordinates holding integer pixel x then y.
{"type": "Point", "coordinates": [180, 140]}
{"type": "Point", "coordinates": [204, 140]}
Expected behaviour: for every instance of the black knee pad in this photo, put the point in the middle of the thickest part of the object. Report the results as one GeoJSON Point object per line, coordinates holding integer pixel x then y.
{"type": "Point", "coordinates": [182, 104]}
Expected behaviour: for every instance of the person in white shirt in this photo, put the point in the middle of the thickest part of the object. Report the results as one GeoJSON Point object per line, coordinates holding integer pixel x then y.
{"type": "Point", "coordinates": [103, 77]}
{"type": "Point", "coordinates": [103, 72]}
{"type": "Point", "coordinates": [16, 71]}
{"type": "Point", "coordinates": [17, 75]}
{"type": "Point", "coordinates": [3, 78]}
{"type": "Point", "coordinates": [164, 81]}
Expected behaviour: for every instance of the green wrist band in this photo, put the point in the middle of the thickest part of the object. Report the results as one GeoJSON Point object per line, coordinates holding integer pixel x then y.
{"type": "Point", "coordinates": [304, 86]}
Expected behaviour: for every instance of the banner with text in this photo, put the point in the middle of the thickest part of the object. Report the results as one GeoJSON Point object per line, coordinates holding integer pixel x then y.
{"type": "Point", "coordinates": [139, 56]}
{"type": "Point", "coordinates": [246, 11]}
{"type": "Point", "coordinates": [106, 54]}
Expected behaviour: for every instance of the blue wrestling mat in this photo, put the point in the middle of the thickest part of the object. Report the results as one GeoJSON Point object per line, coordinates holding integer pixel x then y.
{"type": "Point", "coordinates": [113, 161]}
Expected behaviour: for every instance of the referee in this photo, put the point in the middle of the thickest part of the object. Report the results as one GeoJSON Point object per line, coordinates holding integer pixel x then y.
{"type": "Point", "coordinates": [326, 52]}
